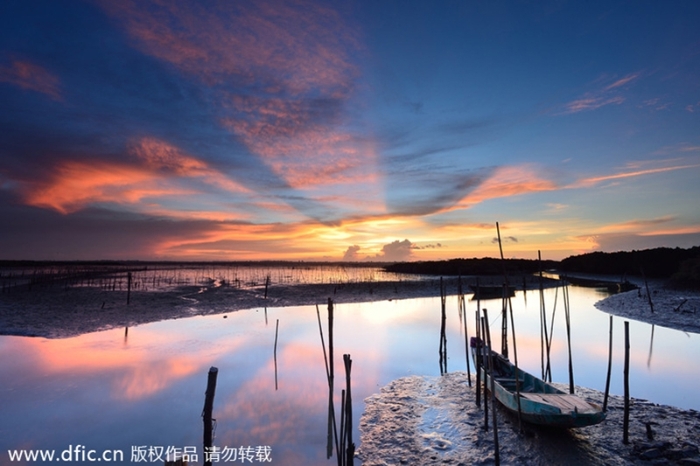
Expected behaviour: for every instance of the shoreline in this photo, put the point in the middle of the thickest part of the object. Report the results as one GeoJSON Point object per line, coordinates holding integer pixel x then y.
{"type": "Point", "coordinates": [675, 309]}
{"type": "Point", "coordinates": [59, 312]}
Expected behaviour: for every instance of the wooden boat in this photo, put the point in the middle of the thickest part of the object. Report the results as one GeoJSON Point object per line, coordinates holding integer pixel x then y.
{"type": "Point", "coordinates": [611, 286]}
{"type": "Point", "coordinates": [540, 402]}
{"type": "Point", "coordinates": [491, 292]}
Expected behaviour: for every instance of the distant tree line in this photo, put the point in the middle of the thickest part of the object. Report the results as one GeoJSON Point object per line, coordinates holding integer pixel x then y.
{"type": "Point", "coordinates": [654, 263]}
{"type": "Point", "coordinates": [681, 266]}
{"type": "Point", "coordinates": [483, 266]}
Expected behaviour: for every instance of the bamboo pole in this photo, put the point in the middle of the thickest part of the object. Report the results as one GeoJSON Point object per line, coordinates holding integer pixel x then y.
{"type": "Point", "coordinates": [323, 344]}
{"type": "Point", "coordinates": [484, 324]}
{"type": "Point", "coordinates": [330, 338]}
{"type": "Point", "coordinates": [646, 285]}
{"type": "Point", "coordinates": [515, 348]}
{"type": "Point", "coordinates": [332, 429]}
{"type": "Point", "coordinates": [466, 338]}
{"type": "Point", "coordinates": [543, 323]}
{"type": "Point", "coordinates": [504, 321]}
{"type": "Point", "coordinates": [443, 338]}
{"type": "Point", "coordinates": [607, 379]}
{"type": "Point", "coordinates": [567, 312]}
{"type": "Point", "coordinates": [493, 391]}
{"type": "Point", "coordinates": [477, 358]}
{"type": "Point", "coordinates": [626, 418]}
{"type": "Point", "coordinates": [277, 327]}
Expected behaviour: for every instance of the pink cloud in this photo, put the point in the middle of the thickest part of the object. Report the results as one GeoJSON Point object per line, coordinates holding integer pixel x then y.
{"type": "Point", "coordinates": [602, 97]}
{"type": "Point", "coordinates": [290, 64]}
{"type": "Point", "coordinates": [30, 76]}
{"type": "Point", "coordinates": [622, 81]}
{"type": "Point", "coordinates": [591, 103]}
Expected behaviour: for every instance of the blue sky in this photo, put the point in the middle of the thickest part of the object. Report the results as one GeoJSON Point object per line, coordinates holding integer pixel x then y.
{"type": "Point", "coordinates": [347, 130]}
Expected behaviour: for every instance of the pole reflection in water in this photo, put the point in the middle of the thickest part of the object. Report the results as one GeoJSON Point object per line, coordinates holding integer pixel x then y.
{"type": "Point", "coordinates": [651, 346]}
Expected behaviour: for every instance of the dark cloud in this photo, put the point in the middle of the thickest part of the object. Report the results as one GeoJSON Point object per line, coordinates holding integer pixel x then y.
{"type": "Point", "coordinates": [427, 246]}
{"type": "Point", "coordinates": [422, 191]}
{"type": "Point", "coordinates": [91, 234]}
{"type": "Point", "coordinates": [506, 239]}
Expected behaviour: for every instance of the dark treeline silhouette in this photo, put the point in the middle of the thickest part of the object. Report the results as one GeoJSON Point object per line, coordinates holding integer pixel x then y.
{"type": "Point", "coordinates": [681, 266]}
{"type": "Point", "coordinates": [653, 263]}
{"type": "Point", "coordinates": [484, 266]}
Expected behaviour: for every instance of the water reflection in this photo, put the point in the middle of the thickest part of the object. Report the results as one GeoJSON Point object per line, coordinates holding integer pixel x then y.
{"type": "Point", "coordinates": [144, 385]}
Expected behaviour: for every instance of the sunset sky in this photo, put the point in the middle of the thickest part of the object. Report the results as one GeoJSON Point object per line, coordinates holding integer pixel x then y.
{"type": "Point", "coordinates": [347, 130]}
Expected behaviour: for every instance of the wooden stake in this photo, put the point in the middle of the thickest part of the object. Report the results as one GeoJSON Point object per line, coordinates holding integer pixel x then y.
{"type": "Point", "coordinates": [277, 327]}
{"type": "Point", "coordinates": [330, 339]}
{"type": "Point", "coordinates": [443, 338]}
{"type": "Point", "coordinates": [512, 321]}
{"type": "Point", "coordinates": [477, 359]}
{"type": "Point", "coordinates": [568, 337]}
{"type": "Point", "coordinates": [607, 379]}
{"type": "Point", "coordinates": [484, 324]}
{"type": "Point", "coordinates": [646, 285]}
{"type": "Point", "coordinates": [626, 418]}
{"type": "Point", "coordinates": [466, 338]}
{"type": "Point", "coordinates": [493, 391]}
{"type": "Point", "coordinates": [349, 445]}
{"type": "Point", "coordinates": [207, 413]}
{"type": "Point", "coordinates": [128, 289]}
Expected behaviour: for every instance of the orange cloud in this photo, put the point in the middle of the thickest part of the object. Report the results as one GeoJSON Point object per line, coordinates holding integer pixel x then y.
{"type": "Point", "coordinates": [634, 225]}
{"type": "Point", "coordinates": [75, 184]}
{"type": "Point", "coordinates": [506, 182]}
{"type": "Point", "coordinates": [31, 76]}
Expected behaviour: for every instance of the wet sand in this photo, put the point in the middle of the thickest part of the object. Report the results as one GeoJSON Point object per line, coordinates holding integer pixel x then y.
{"type": "Point", "coordinates": [61, 312]}
{"type": "Point", "coordinates": [434, 420]}
{"type": "Point", "coordinates": [675, 309]}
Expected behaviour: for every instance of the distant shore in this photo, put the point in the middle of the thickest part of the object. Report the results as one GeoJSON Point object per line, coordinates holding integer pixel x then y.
{"type": "Point", "coordinates": [61, 312]}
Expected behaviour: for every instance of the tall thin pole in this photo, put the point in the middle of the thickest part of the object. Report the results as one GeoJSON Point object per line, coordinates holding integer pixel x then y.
{"type": "Point", "coordinates": [626, 418]}
{"type": "Point", "coordinates": [477, 357]}
{"type": "Point", "coordinates": [482, 352]}
{"type": "Point", "coordinates": [512, 321]}
{"type": "Point", "coordinates": [493, 391]}
{"type": "Point", "coordinates": [207, 414]}
{"type": "Point", "coordinates": [466, 338]}
{"type": "Point", "coordinates": [607, 379]}
{"type": "Point", "coordinates": [567, 311]}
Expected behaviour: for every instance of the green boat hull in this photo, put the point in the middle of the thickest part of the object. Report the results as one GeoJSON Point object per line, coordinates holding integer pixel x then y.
{"type": "Point", "coordinates": [540, 402]}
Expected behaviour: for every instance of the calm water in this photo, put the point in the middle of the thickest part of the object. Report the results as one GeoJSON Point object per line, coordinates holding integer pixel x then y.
{"type": "Point", "coordinates": [111, 390]}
